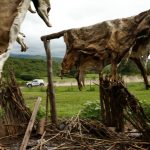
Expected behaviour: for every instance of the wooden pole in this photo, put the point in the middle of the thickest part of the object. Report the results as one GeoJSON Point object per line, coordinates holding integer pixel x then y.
{"type": "Point", "coordinates": [51, 92]}
{"type": "Point", "coordinates": [47, 99]}
{"type": "Point", "coordinates": [53, 35]}
{"type": "Point", "coordinates": [101, 98]}
{"type": "Point", "coordinates": [30, 125]}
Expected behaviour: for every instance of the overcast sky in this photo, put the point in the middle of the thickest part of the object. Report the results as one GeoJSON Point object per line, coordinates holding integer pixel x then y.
{"type": "Point", "coordinates": [66, 14]}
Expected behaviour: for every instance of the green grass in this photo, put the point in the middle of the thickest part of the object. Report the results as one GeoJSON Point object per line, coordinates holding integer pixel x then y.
{"type": "Point", "coordinates": [138, 90]}
{"type": "Point", "coordinates": [69, 100]}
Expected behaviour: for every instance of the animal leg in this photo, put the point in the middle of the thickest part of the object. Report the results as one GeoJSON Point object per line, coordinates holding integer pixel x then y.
{"type": "Point", "coordinates": [113, 70]}
{"type": "Point", "coordinates": [143, 71]}
{"type": "Point", "coordinates": [20, 40]}
{"type": "Point", "coordinates": [3, 58]}
{"type": "Point", "coordinates": [23, 47]}
{"type": "Point", "coordinates": [80, 79]}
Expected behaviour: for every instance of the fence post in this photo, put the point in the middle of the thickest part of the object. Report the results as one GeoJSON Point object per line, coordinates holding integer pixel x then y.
{"type": "Point", "coordinates": [101, 98]}
{"type": "Point", "coordinates": [51, 93]}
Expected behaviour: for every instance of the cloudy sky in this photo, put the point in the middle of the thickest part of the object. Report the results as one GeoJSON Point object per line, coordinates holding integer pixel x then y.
{"type": "Point", "coordinates": [66, 14]}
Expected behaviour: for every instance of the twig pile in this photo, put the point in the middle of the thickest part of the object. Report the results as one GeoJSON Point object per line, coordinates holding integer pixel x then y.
{"type": "Point", "coordinates": [77, 134]}
{"type": "Point", "coordinates": [16, 114]}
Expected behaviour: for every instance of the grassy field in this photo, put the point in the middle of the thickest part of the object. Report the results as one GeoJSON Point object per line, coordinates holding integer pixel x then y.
{"type": "Point", "coordinates": [139, 91]}
{"type": "Point", "coordinates": [69, 100]}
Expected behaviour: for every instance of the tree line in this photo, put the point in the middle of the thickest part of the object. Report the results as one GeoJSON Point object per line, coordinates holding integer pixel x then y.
{"type": "Point", "coordinates": [28, 69]}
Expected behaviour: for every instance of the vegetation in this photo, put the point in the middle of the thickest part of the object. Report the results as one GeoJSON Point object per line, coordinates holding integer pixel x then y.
{"type": "Point", "coordinates": [69, 100]}
{"type": "Point", "coordinates": [28, 69]}
{"type": "Point", "coordinates": [35, 67]}
{"type": "Point", "coordinates": [91, 110]}
{"type": "Point", "coordinates": [128, 68]}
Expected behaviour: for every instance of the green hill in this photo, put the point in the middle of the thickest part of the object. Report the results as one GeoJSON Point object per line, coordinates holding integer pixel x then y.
{"type": "Point", "coordinates": [56, 59]}
{"type": "Point", "coordinates": [28, 68]}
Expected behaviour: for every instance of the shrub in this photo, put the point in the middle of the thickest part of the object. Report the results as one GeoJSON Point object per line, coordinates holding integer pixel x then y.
{"type": "Point", "coordinates": [91, 110]}
{"type": "Point", "coordinates": [146, 108]}
{"type": "Point", "coordinates": [41, 113]}
{"type": "Point", "coordinates": [21, 82]}
{"type": "Point", "coordinates": [28, 77]}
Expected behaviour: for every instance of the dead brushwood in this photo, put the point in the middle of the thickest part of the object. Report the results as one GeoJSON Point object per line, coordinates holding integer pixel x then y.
{"type": "Point", "coordinates": [16, 114]}
{"type": "Point", "coordinates": [79, 134]}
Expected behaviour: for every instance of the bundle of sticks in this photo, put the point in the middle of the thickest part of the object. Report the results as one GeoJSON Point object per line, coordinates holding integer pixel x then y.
{"type": "Point", "coordinates": [118, 105]}
{"type": "Point", "coordinates": [15, 113]}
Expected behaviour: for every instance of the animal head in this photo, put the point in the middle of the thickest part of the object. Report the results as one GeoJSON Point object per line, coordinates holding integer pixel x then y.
{"type": "Point", "coordinates": [83, 62]}
{"type": "Point", "coordinates": [70, 59]}
{"type": "Point", "coordinates": [43, 7]}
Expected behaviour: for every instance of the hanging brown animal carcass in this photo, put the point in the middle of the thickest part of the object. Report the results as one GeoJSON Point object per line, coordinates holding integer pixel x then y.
{"type": "Point", "coordinates": [12, 14]}
{"type": "Point", "coordinates": [108, 43]}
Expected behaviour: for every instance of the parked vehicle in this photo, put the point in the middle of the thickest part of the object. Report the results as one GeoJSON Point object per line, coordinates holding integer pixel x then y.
{"type": "Point", "coordinates": [35, 82]}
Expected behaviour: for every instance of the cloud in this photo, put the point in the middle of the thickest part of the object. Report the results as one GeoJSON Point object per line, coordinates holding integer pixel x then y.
{"type": "Point", "coordinates": [69, 14]}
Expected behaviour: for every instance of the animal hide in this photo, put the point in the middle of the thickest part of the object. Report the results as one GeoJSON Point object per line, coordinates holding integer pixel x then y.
{"type": "Point", "coordinates": [8, 12]}
{"type": "Point", "coordinates": [106, 43]}
{"type": "Point", "coordinates": [12, 14]}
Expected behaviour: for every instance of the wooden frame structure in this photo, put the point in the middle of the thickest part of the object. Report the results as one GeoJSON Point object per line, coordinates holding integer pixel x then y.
{"type": "Point", "coordinates": [50, 87]}
{"type": "Point", "coordinates": [50, 90]}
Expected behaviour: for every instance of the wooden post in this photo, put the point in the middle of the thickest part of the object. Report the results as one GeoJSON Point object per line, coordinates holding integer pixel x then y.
{"type": "Point", "coordinates": [30, 125]}
{"type": "Point", "coordinates": [47, 99]}
{"type": "Point", "coordinates": [54, 35]}
{"type": "Point", "coordinates": [101, 98]}
{"type": "Point", "coordinates": [51, 92]}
